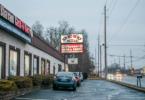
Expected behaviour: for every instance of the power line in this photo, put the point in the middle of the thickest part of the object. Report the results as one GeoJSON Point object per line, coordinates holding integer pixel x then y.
{"type": "Point", "coordinates": [106, 2]}
{"type": "Point", "coordinates": [139, 59]}
{"type": "Point", "coordinates": [124, 45]}
{"type": "Point", "coordinates": [113, 7]}
{"type": "Point", "coordinates": [127, 18]}
{"type": "Point", "coordinates": [112, 55]}
{"type": "Point", "coordinates": [111, 3]}
{"type": "Point", "coordinates": [126, 62]}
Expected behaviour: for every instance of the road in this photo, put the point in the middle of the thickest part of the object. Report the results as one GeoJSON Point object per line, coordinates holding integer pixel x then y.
{"type": "Point", "coordinates": [89, 90]}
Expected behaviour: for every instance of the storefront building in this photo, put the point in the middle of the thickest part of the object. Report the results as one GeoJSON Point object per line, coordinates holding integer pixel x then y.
{"type": "Point", "coordinates": [23, 53]}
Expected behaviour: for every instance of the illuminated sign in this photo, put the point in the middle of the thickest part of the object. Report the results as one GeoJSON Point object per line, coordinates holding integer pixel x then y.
{"type": "Point", "coordinates": [72, 38]}
{"type": "Point", "coordinates": [72, 60]}
{"type": "Point", "coordinates": [72, 48]}
{"type": "Point", "coordinates": [15, 20]}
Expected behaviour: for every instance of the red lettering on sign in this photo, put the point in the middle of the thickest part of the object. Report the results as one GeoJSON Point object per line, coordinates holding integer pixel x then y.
{"type": "Point", "coordinates": [18, 22]}
{"type": "Point", "coordinates": [27, 29]}
{"type": "Point", "coordinates": [74, 36]}
{"type": "Point", "coordinates": [23, 26]}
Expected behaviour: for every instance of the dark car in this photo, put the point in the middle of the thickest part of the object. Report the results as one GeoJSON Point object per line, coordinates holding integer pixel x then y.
{"type": "Point", "coordinates": [77, 76]}
{"type": "Point", "coordinates": [64, 80]}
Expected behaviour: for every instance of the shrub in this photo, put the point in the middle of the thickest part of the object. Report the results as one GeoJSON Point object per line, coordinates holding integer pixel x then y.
{"type": "Point", "coordinates": [47, 80]}
{"type": "Point", "coordinates": [36, 80]}
{"type": "Point", "coordinates": [42, 80]}
{"type": "Point", "coordinates": [22, 82]}
{"type": "Point", "coordinates": [7, 85]}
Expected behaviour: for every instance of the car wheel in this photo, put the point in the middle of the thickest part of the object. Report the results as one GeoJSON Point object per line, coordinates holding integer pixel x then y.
{"type": "Point", "coordinates": [54, 87]}
{"type": "Point", "coordinates": [74, 87]}
{"type": "Point", "coordinates": [79, 84]}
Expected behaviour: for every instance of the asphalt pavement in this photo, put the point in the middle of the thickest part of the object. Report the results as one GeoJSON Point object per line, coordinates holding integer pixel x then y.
{"type": "Point", "coordinates": [89, 90]}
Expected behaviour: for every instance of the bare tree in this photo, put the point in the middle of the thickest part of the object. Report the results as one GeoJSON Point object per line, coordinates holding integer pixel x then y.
{"type": "Point", "coordinates": [53, 35]}
{"type": "Point", "coordinates": [38, 28]}
{"type": "Point", "coordinates": [63, 27]}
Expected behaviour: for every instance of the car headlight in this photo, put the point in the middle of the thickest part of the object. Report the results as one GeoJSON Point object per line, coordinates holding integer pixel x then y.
{"type": "Point", "coordinates": [55, 77]}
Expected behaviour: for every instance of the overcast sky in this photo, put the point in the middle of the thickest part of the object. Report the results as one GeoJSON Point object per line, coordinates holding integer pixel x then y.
{"type": "Point", "coordinates": [125, 22]}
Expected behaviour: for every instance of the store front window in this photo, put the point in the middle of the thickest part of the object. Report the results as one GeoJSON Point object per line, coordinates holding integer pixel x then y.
{"type": "Point", "coordinates": [2, 60]}
{"type": "Point", "coordinates": [53, 70]}
{"type": "Point", "coordinates": [13, 62]}
{"type": "Point", "coordinates": [59, 67]}
{"type": "Point", "coordinates": [27, 65]}
{"type": "Point", "coordinates": [47, 68]}
{"type": "Point", "coordinates": [35, 65]}
{"type": "Point", "coordinates": [42, 66]}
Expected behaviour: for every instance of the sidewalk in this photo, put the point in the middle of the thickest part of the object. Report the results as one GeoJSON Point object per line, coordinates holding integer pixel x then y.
{"type": "Point", "coordinates": [133, 80]}
{"type": "Point", "coordinates": [142, 89]}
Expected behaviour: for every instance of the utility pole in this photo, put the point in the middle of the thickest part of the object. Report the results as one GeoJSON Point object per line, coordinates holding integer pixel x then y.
{"type": "Point", "coordinates": [105, 43]}
{"type": "Point", "coordinates": [96, 61]}
{"type": "Point", "coordinates": [124, 64]}
{"type": "Point", "coordinates": [64, 63]}
{"type": "Point", "coordinates": [119, 61]}
{"type": "Point", "coordinates": [100, 60]}
{"type": "Point", "coordinates": [98, 54]}
{"type": "Point", "coordinates": [131, 58]}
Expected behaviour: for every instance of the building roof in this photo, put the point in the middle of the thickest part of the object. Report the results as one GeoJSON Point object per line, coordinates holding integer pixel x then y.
{"type": "Point", "coordinates": [41, 44]}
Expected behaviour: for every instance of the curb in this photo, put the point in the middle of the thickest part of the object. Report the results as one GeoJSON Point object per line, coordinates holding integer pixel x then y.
{"type": "Point", "coordinates": [128, 85]}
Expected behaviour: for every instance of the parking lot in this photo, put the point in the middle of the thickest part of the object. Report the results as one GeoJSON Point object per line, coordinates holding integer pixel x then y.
{"type": "Point", "coordinates": [89, 90]}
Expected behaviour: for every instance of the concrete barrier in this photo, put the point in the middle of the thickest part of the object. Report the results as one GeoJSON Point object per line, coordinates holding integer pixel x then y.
{"type": "Point", "coordinates": [142, 89]}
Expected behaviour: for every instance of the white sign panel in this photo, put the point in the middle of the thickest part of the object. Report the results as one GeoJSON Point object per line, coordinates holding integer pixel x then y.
{"type": "Point", "coordinates": [72, 38]}
{"type": "Point", "coordinates": [72, 60]}
{"type": "Point", "coordinates": [71, 48]}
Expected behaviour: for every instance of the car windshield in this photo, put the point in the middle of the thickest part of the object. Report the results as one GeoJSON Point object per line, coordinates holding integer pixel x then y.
{"type": "Point", "coordinates": [76, 73]}
{"type": "Point", "coordinates": [65, 74]}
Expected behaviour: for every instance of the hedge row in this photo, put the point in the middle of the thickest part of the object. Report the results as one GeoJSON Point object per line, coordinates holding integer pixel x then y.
{"type": "Point", "coordinates": [20, 82]}
{"type": "Point", "coordinates": [7, 85]}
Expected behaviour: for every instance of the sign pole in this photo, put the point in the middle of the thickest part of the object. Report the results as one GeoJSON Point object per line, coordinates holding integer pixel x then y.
{"type": "Point", "coordinates": [64, 64]}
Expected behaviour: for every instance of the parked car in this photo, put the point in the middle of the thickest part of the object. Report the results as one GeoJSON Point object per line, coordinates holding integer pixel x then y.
{"type": "Point", "coordinates": [64, 80]}
{"type": "Point", "coordinates": [77, 76]}
{"type": "Point", "coordinates": [81, 76]}
{"type": "Point", "coordinates": [85, 75]}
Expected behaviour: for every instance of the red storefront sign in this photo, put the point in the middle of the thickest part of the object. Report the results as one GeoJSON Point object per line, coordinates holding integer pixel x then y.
{"type": "Point", "coordinates": [72, 48]}
{"type": "Point", "coordinates": [15, 20]}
